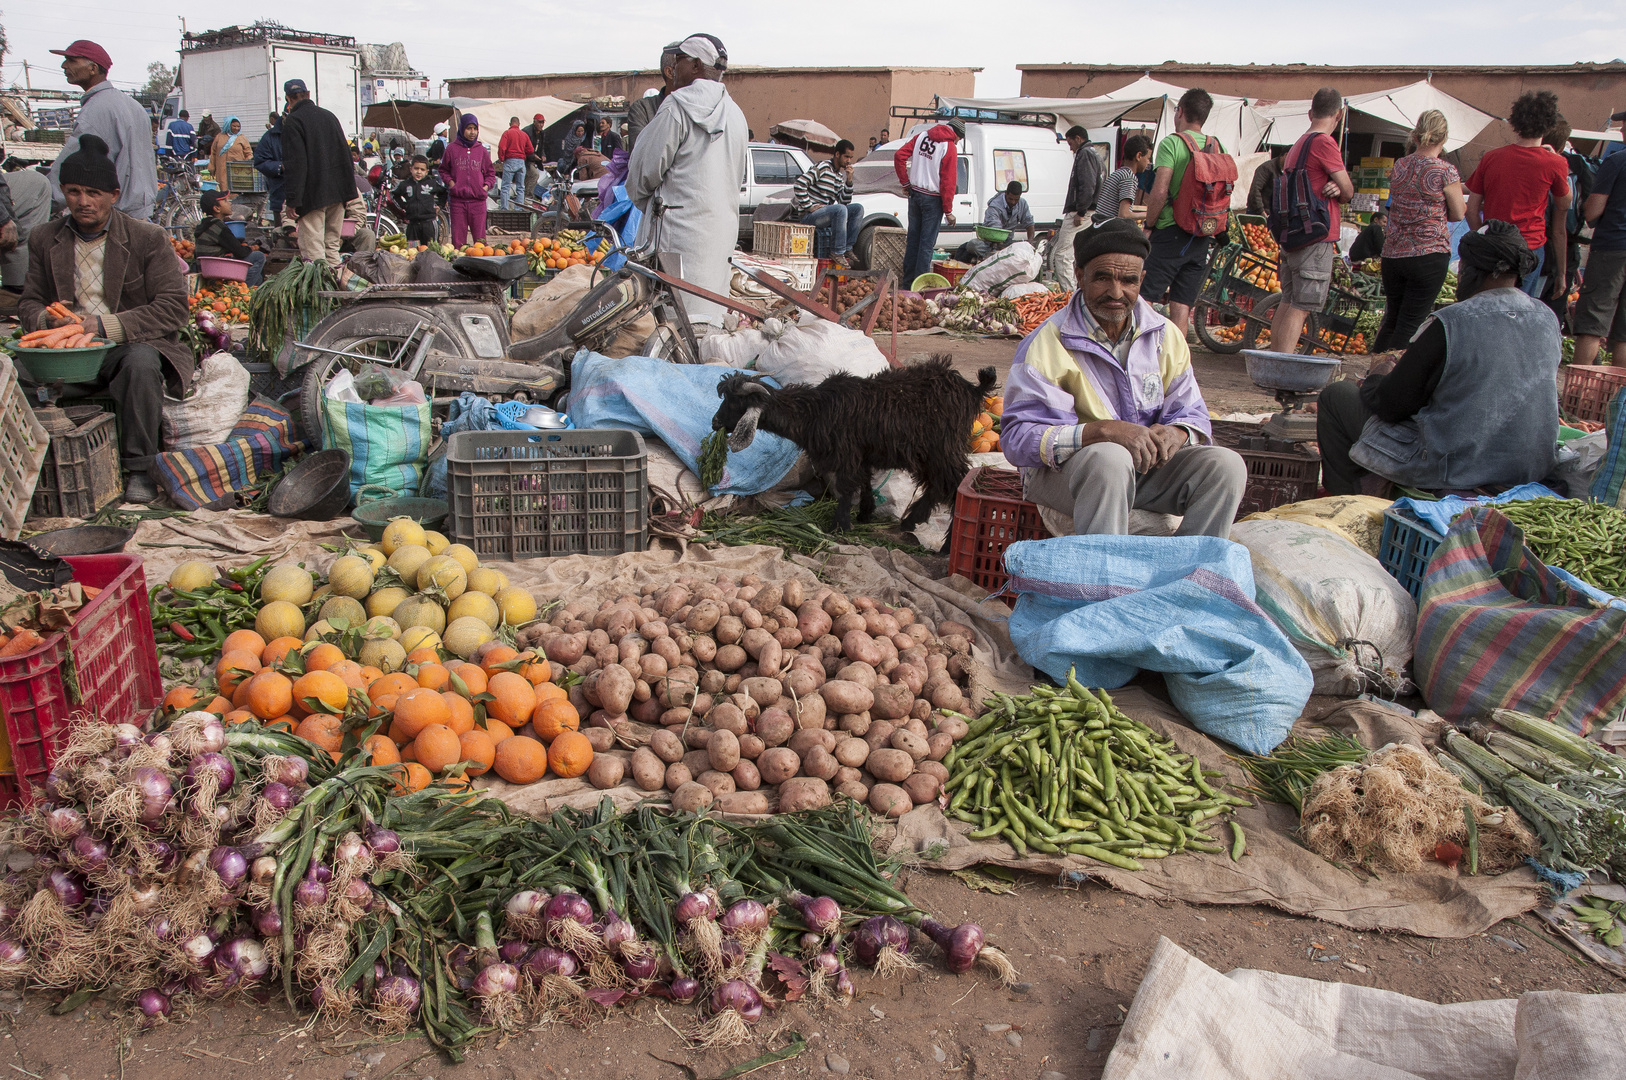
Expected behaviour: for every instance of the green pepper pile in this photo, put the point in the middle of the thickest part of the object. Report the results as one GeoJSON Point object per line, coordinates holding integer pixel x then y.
{"type": "Point", "coordinates": [1064, 770]}
{"type": "Point", "coordinates": [194, 623]}
{"type": "Point", "coordinates": [1586, 538]}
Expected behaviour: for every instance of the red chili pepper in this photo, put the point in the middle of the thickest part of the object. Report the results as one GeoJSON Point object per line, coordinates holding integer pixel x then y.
{"type": "Point", "coordinates": [182, 632]}
{"type": "Point", "coordinates": [229, 583]}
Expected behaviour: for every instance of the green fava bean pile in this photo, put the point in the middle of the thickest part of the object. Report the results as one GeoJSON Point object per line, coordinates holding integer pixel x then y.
{"type": "Point", "coordinates": [1062, 769]}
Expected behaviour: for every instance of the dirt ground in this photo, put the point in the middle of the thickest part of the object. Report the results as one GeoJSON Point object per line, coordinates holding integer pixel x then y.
{"type": "Point", "coordinates": [1080, 948]}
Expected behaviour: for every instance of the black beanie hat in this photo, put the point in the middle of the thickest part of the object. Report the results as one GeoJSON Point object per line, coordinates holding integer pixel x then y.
{"type": "Point", "coordinates": [1115, 236]}
{"type": "Point", "coordinates": [89, 166]}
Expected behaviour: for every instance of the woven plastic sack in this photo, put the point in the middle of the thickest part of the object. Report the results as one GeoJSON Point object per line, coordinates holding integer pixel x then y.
{"type": "Point", "coordinates": [1497, 629]}
{"type": "Point", "coordinates": [1112, 606]}
{"type": "Point", "coordinates": [1346, 615]}
{"type": "Point", "coordinates": [1008, 266]}
{"type": "Point", "coordinates": [208, 412]}
{"type": "Point", "coordinates": [388, 444]}
{"type": "Point", "coordinates": [1357, 518]}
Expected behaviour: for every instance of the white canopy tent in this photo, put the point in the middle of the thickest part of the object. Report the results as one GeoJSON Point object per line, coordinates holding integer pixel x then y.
{"type": "Point", "coordinates": [1395, 111]}
{"type": "Point", "coordinates": [493, 115]}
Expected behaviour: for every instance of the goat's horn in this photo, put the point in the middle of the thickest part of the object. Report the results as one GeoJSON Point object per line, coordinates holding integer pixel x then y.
{"type": "Point", "coordinates": [754, 387]}
{"type": "Point", "coordinates": [744, 431]}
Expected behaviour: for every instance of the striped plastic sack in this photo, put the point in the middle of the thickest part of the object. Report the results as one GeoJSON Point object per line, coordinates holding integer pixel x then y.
{"type": "Point", "coordinates": [388, 444]}
{"type": "Point", "coordinates": [1498, 629]}
{"type": "Point", "coordinates": [1609, 483]}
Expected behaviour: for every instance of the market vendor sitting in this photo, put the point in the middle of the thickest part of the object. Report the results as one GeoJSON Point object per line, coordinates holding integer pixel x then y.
{"type": "Point", "coordinates": [122, 278]}
{"type": "Point", "coordinates": [212, 237]}
{"type": "Point", "coordinates": [1102, 411]}
{"type": "Point", "coordinates": [1471, 405]}
{"type": "Point", "coordinates": [1008, 210]}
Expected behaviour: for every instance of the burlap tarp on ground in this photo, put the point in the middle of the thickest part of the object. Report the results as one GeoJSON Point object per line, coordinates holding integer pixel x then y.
{"type": "Point", "coordinates": [1277, 870]}
{"type": "Point", "coordinates": [1188, 1020]}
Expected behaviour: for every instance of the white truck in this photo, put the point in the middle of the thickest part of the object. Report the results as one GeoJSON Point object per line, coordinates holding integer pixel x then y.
{"type": "Point", "coordinates": [239, 71]}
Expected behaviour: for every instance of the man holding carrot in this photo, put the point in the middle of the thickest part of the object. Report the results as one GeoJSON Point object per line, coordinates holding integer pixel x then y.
{"type": "Point", "coordinates": [99, 272]}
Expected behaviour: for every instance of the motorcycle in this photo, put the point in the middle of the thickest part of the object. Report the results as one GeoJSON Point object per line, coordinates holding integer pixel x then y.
{"type": "Point", "coordinates": [454, 336]}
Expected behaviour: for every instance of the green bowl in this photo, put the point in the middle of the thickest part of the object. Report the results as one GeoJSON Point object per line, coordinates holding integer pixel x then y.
{"type": "Point", "coordinates": [69, 365]}
{"type": "Point", "coordinates": [993, 235]}
{"type": "Point", "coordinates": [375, 515]}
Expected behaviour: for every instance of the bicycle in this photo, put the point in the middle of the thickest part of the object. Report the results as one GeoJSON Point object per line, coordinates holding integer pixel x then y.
{"type": "Point", "coordinates": [178, 208]}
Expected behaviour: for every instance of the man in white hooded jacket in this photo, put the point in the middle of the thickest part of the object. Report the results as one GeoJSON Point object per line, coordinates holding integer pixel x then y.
{"type": "Point", "coordinates": [692, 154]}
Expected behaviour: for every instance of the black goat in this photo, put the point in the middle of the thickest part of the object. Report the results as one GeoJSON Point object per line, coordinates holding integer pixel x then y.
{"type": "Point", "coordinates": [916, 418]}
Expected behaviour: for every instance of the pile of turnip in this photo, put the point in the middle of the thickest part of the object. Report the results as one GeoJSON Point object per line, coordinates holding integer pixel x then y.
{"type": "Point", "coordinates": [756, 685]}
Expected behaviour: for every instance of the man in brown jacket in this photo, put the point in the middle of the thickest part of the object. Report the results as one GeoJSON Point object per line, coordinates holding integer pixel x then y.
{"type": "Point", "coordinates": [123, 279]}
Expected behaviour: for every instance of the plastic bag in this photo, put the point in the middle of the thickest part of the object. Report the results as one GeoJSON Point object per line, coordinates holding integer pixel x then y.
{"type": "Point", "coordinates": [1346, 615]}
{"type": "Point", "coordinates": [1011, 266]}
{"type": "Point", "coordinates": [388, 444]}
{"type": "Point", "coordinates": [208, 412]}
{"type": "Point", "coordinates": [1578, 463]}
{"type": "Point", "coordinates": [1111, 606]}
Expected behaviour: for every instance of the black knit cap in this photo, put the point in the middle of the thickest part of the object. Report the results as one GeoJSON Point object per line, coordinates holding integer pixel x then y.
{"type": "Point", "coordinates": [89, 166]}
{"type": "Point", "coordinates": [1115, 236]}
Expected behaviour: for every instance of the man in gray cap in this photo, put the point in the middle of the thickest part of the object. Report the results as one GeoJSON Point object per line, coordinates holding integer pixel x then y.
{"type": "Point", "coordinates": [317, 176]}
{"type": "Point", "coordinates": [927, 167]}
{"type": "Point", "coordinates": [120, 278]}
{"type": "Point", "coordinates": [692, 155]}
{"type": "Point", "coordinates": [118, 120]}
{"type": "Point", "coordinates": [1102, 412]}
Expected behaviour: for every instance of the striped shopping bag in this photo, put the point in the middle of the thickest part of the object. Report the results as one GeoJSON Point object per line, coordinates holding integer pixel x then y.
{"type": "Point", "coordinates": [388, 444]}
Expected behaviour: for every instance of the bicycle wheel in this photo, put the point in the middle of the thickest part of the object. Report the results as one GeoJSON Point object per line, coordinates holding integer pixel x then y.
{"type": "Point", "coordinates": [184, 213]}
{"type": "Point", "coordinates": [341, 331]}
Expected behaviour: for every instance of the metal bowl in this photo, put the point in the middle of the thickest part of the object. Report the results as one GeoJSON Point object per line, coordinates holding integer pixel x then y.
{"type": "Point", "coordinates": [1290, 371]}
{"type": "Point", "coordinates": [540, 416]}
{"type": "Point", "coordinates": [375, 515]}
{"type": "Point", "coordinates": [316, 489]}
{"type": "Point", "coordinates": [82, 540]}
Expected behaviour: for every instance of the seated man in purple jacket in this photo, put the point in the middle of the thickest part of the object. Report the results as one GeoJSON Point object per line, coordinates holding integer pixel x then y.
{"type": "Point", "coordinates": [1102, 411]}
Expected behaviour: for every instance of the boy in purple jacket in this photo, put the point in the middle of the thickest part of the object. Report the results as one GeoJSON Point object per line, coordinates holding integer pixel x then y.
{"type": "Point", "coordinates": [1102, 412]}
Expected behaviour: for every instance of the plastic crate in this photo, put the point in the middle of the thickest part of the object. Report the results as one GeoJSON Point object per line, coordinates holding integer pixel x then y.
{"type": "Point", "coordinates": [803, 272]}
{"type": "Point", "coordinates": [23, 446]}
{"type": "Point", "coordinates": [989, 516]}
{"type": "Point", "coordinates": [1278, 472]}
{"type": "Point", "coordinates": [521, 494]}
{"type": "Point", "coordinates": [510, 221]}
{"type": "Point", "coordinates": [887, 247]}
{"type": "Point", "coordinates": [1405, 548]}
{"type": "Point", "coordinates": [243, 177]}
{"type": "Point", "coordinates": [80, 474]}
{"type": "Point", "coordinates": [1588, 389]}
{"type": "Point", "coordinates": [108, 654]}
{"type": "Point", "coordinates": [782, 238]}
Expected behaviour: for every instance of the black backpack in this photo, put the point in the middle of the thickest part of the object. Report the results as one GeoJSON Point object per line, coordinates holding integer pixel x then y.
{"type": "Point", "coordinates": [1299, 216]}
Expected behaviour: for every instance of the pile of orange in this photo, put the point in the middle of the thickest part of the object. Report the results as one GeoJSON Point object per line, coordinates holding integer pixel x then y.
{"type": "Point", "coordinates": [985, 428]}
{"type": "Point", "coordinates": [229, 298]}
{"type": "Point", "coordinates": [499, 711]}
{"type": "Point", "coordinates": [558, 256]}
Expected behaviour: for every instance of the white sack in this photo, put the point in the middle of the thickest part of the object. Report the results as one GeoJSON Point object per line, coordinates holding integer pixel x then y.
{"type": "Point", "coordinates": [1565, 1036]}
{"type": "Point", "coordinates": [1346, 615]}
{"type": "Point", "coordinates": [1023, 288]}
{"type": "Point", "coordinates": [1008, 266]}
{"type": "Point", "coordinates": [790, 353]}
{"type": "Point", "coordinates": [212, 406]}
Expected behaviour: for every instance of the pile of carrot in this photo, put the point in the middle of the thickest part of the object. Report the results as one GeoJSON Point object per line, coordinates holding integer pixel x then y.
{"type": "Point", "coordinates": [1038, 307]}
{"type": "Point", "coordinates": [70, 336]}
{"type": "Point", "coordinates": [25, 640]}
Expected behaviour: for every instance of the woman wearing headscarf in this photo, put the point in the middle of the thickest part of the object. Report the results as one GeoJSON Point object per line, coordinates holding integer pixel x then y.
{"type": "Point", "coordinates": [1470, 405]}
{"type": "Point", "coordinates": [229, 145]}
{"type": "Point", "coordinates": [567, 150]}
{"type": "Point", "coordinates": [468, 174]}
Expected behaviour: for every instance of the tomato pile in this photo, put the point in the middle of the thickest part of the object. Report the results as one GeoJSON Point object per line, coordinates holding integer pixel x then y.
{"type": "Point", "coordinates": [228, 298]}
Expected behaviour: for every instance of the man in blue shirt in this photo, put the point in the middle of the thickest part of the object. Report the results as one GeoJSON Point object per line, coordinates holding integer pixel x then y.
{"type": "Point", "coordinates": [1601, 310]}
{"type": "Point", "coordinates": [178, 135]}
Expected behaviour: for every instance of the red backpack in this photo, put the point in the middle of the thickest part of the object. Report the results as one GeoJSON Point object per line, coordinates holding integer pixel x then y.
{"type": "Point", "coordinates": [1202, 206]}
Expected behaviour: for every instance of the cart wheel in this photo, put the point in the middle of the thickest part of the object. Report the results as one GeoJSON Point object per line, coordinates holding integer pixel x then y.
{"type": "Point", "coordinates": [1208, 321]}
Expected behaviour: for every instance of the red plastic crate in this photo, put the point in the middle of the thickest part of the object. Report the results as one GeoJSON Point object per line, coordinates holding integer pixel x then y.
{"type": "Point", "coordinates": [108, 653]}
{"type": "Point", "coordinates": [989, 516]}
{"type": "Point", "coordinates": [1588, 389]}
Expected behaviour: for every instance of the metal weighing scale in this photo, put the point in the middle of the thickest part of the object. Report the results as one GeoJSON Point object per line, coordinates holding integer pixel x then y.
{"type": "Point", "coordinates": [1295, 380]}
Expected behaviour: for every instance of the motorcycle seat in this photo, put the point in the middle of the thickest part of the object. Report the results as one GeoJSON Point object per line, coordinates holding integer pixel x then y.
{"type": "Point", "coordinates": [494, 267]}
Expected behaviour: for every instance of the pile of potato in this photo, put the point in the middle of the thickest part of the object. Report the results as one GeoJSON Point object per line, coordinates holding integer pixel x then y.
{"type": "Point", "coordinates": [760, 684]}
{"type": "Point", "coordinates": [913, 313]}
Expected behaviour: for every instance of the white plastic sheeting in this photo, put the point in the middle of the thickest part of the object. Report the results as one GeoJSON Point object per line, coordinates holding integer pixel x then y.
{"type": "Point", "coordinates": [1395, 110]}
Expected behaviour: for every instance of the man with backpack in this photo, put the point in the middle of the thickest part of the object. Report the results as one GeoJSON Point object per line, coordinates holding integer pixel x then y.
{"type": "Point", "coordinates": [1305, 219]}
{"type": "Point", "coordinates": [1189, 206]}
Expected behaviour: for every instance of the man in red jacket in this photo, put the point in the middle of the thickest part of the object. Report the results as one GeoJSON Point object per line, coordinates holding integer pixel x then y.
{"type": "Point", "coordinates": [927, 167]}
{"type": "Point", "coordinates": [513, 148]}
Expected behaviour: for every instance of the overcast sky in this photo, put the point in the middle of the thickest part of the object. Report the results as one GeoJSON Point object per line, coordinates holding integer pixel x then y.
{"type": "Point", "coordinates": [447, 40]}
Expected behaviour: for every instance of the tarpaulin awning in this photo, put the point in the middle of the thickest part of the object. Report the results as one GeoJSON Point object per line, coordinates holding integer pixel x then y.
{"type": "Point", "coordinates": [1394, 110]}
{"type": "Point", "coordinates": [493, 115]}
{"type": "Point", "coordinates": [807, 134]}
{"type": "Point", "coordinates": [417, 117]}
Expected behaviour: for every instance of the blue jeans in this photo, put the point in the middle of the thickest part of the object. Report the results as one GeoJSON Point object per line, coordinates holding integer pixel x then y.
{"type": "Point", "coordinates": [513, 179]}
{"type": "Point", "coordinates": [256, 268]}
{"type": "Point", "coordinates": [1534, 280]}
{"type": "Point", "coordinates": [841, 220]}
{"type": "Point", "coordinates": [925, 218]}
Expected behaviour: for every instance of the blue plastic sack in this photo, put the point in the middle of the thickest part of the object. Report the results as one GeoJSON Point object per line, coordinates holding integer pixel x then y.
{"type": "Point", "coordinates": [1439, 513]}
{"type": "Point", "coordinates": [675, 403]}
{"type": "Point", "coordinates": [1111, 606]}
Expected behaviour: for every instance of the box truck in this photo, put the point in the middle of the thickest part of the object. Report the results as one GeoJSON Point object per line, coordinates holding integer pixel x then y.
{"type": "Point", "coordinates": [239, 71]}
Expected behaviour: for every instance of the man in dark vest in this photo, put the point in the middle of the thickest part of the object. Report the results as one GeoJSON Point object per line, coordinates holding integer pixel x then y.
{"type": "Point", "coordinates": [1470, 405]}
